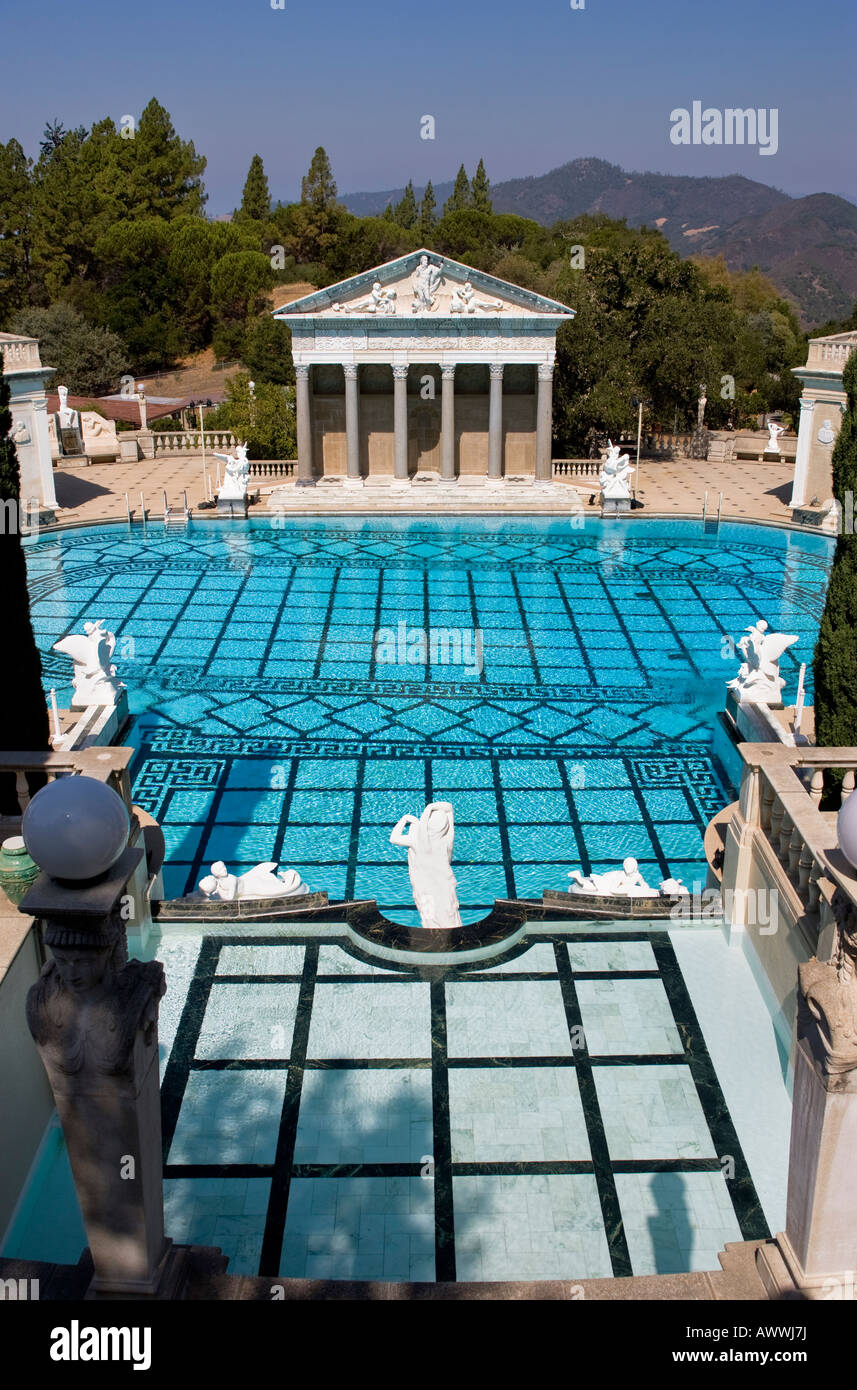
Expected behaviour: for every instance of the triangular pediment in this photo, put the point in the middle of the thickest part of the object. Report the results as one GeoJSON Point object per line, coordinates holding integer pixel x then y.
{"type": "Point", "coordinates": [424, 285]}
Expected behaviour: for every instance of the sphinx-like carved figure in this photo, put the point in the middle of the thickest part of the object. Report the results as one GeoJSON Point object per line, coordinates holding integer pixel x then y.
{"type": "Point", "coordinates": [827, 995]}
{"type": "Point", "coordinates": [94, 677]}
{"type": "Point", "coordinates": [429, 842]}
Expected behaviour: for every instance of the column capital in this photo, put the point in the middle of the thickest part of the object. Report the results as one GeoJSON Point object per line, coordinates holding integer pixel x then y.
{"type": "Point", "coordinates": [400, 373]}
{"type": "Point", "coordinates": [807, 403]}
{"type": "Point", "coordinates": [496, 370]}
{"type": "Point", "coordinates": [546, 370]}
{"type": "Point", "coordinates": [351, 370]}
{"type": "Point", "coordinates": [448, 373]}
{"type": "Point", "coordinates": [302, 371]}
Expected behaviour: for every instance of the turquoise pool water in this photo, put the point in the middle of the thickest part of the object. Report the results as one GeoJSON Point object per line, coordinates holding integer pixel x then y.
{"type": "Point", "coordinates": [287, 708]}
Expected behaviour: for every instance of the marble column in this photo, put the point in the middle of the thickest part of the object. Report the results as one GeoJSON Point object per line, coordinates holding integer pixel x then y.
{"type": "Point", "coordinates": [306, 476]}
{"type": "Point", "coordinates": [544, 422]}
{"type": "Point", "coordinates": [495, 424]}
{"type": "Point", "coordinates": [447, 425]}
{"type": "Point", "coordinates": [400, 423]}
{"type": "Point", "coordinates": [42, 440]}
{"type": "Point", "coordinates": [352, 424]}
{"type": "Point", "coordinates": [804, 447]}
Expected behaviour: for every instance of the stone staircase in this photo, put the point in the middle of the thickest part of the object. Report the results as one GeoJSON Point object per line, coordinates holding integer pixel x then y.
{"type": "Point", "coordinates": [426, 493]}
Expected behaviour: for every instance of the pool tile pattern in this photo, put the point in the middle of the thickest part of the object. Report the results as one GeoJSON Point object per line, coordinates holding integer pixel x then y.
{"type": "Point", "coordinates": [477, 1123]}
{"type": "Point", "coordinates": [267, 727]}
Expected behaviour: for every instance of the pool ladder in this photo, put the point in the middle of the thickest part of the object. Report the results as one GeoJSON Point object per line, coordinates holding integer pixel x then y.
{"type": "Point", "coordinates": [711, 525]}
{"type": "Point", "coordinates": [176, 520]}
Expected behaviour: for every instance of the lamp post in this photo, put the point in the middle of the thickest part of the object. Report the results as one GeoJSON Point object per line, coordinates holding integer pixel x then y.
{"type": "Point", "coordinates": [639, 404]}
{"type": "Point", "coordinates": [94, 1017]}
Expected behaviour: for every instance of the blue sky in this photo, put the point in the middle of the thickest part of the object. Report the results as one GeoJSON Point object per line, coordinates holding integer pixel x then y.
{"type": "Point", "coordinates": [528, 84]}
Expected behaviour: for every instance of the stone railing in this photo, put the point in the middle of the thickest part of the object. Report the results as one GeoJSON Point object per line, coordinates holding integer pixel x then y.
{"type": "Point", "coordinates": [666, 444]}
{"type": "Point", "coordinates": [577, 468]}
{"type": "Point", "coordinates": [273, 468]}
{"type": "Point", "coordinates": [108, 765]}
{"type": "Point", "coordinates": [824, 352]}
{"type": "Point", "coordinates": [169, 443]}
{"type": "Point", "coordinates": [18, 354]}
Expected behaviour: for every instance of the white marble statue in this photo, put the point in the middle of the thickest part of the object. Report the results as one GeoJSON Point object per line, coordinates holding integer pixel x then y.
{"type": "Point", "coordinates": [615, 475]}
{"type": "Point", "coordinates": [625, 881]}
{"type": "Point", "coordinates": [143, 404]}
{"type": "Point", "coordinates": [774, 432]}
{"type": "Point", "coordinates": [427, 279]}
{"type": "Point", "coordinates": [262, 881]}
{"type": "Point", "coordinates": [69, 418]}
{"type": "Point", "coordinates": [380, 301]}
{"type": "Point", "coordinates": [463, 301]}
{"type": "Point", "coordinates": [758, 680]}
{"type": "Point", "coordinates": [236, 475]}
{"type": "Point", "coordinates": [429, 843]}
{"type": "Point", "coordinates": [99, 436]}
{"type": "Point", "coordinates": [94, 677]}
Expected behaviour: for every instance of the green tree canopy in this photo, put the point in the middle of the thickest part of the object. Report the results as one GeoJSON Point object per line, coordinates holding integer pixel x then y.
{"type": "Point", "coordinates": [427, 213]}
{"type": "Point", "coordinates": [266, 419]}
{"type": "Point", "coordinates": [89, 360]}
{"type": "Point", "coordinates": [460, 197]}
{"type": "Point", "coordinates": [239, 282]}
{"type": "Point", "coordinates": [405, 211]}
{"type": "Point", "coordinates": [256, 199]}
{"type": "Point", "coordinates": [318, 186]}
{"type": "Point", "coordinates": [480, 190]}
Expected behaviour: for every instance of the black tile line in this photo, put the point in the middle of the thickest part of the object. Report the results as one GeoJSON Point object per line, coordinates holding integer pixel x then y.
{"type": "Point", "coordinates": [492, 1063]}
{"type": "Point", "coordinates": [427, 671]}
{"type": "Point", "coordinates": [285, 809]}
{"type": "Point", "coordinates": [444, 1217]}
{"type": "Point", "coordinates": [741, 1188]}
{"type": "Point", "coordinates": [645, 814]}
{"type": "Point", "coordinates": [525, 629]}
{"type": "Point", "coordinates": [503, 829]}
{"type": "Point", "coordinates": [275, 625]}
{"type": "Point", "coordinates": [379, 607]}
{"type": "Point", "coordinates": [474, 1168]}
{"type": "Point", "coordinates": [210, 823]}
{"type": "Point", "coordinates": [278, 1199]}
{"type": "Point", "coordinates": [187, 595]}
{"type": "Point", "coordinates": [621, 624]}
{"type": "Point", "coordinates": [187, 1036]}
{"type": "Point", "coordinates": [608, 1197]}
{"type": "Point", "coordinates": [328, 618]}
{"type": "Point", "coordinates": [590, 673]}
{"type": "Point", "coordinates": [683, 647]}
{"type": "Point", "coordinates": [356, 826]}
{"type": "Point", "coordinates": [475, 619]}
{"type": "Point", "coordinates": [580, 839]}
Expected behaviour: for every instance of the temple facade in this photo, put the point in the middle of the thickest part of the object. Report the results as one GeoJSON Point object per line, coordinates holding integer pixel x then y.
{"type": "Point", "coordinates": [822, 405]}
{"type": "Point", "coordinates": [424, 366]}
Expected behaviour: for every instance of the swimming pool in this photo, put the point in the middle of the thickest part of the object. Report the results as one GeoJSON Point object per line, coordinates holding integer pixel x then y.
{"type": "Point", "coordinates": [297, 684]}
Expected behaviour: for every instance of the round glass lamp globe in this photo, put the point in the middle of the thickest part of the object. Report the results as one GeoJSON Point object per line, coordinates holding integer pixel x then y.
{"type": "Point", "coordinates": [846, 829]}
{"type": "Point", "coordinates": [76, 828]}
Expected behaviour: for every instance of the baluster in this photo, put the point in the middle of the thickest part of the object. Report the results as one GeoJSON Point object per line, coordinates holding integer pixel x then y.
{"type": "Point", "coordinates": [766, 802]}
{"type": "Point", "coordinates": [776, 822]}
{"type": "Point", "coordinates": [805, 863]}
{"type": "Point", "coordinates": [812, 891]}
{"type": "Point", "coordinates": [785, 839]}
{"type": "Point", "coordinates": [795, 851]}
{"type": "Point", "coordinates": [22, 791]}
{"type": "Point", "coordinates": [847, 785]}
{"type": "Point", "coordinates": [816, 785]}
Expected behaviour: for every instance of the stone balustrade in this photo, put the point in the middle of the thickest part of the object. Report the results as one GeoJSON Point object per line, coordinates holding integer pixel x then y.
{"type": "Point", "coordinates": [108, 765]}
{"type": "Point", "coordinates": [577, 468]}
{"type": "Point", "coordinates": [273, 468]}
{"type": "Point", "coordinates": [169, 443]}
{"type": "Point", "coordinates": [17, 354]}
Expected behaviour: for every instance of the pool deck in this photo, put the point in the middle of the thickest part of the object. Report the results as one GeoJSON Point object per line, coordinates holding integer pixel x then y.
{"type": "Point", "coordinates": [751, 492]}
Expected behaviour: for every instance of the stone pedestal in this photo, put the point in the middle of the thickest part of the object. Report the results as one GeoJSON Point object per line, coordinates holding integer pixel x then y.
{"type": "Point", "coordinates": [232, 506]}
{"type": "Point", "coordinates": [816, 1256]}
{"type": "Point", "coordinates": [615, 506]}
{"type": "Point", "coordinates": [94, 1017]}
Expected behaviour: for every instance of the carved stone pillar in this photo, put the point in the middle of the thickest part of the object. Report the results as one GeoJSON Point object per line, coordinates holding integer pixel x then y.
{"type": "Point", "coordinates": [94, 1017]}
{"type": "Point", "coordinates": [817, 1252]}
{"type": "Point", "coordinates": [804, 448]}
{"type": "Point", "coordinates": [400, 423]}
{"type": "Point", "coordinates": [447, 424]}
{"type": "Point", "coordinates": [352, 425]}
{"type": "Point", "coordinates": [495, 424]}
{"type": "Point", "coordinates": [544, 422]}
{"type": "Point", "coordinates": [303, 412]}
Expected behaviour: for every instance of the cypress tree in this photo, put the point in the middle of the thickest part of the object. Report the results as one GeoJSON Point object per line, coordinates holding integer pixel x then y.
{"type": "Point", "coordinates": [427, 213]}
{"type": "Point", "coordinates": [460, 196]}
{"type": "Point", "coordinates": [480, 190]}
{"type": "Point", "coordinates": [23, 711]}
{"type": "Point", "coordinates": [835, 664]}
{"type": "Point", "coordinates": [318, 186]}
{"type": "Point", "coordinates": [405, 212]}
{"type": "Point", "coordinates": [256, 198]}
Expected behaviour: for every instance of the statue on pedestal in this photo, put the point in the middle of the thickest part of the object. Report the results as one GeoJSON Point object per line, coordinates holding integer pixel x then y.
{"type": "Point", "coordinates": [236, 476]}
{"type": "Point", "coordinates": [94, 677]}
{"type": "Point", "coordinates": [67, 425]}
{"type": "Point", "coordinates": [758, 680]}
{"type": "Point", "coordinates": [615, 480]}
{"type": "Point", "coordinates": [774, 432]}
{"type": "Point", "coordinates": [262, 881]}
{"type": "Point", "coordinates": [627, 880]}
{"type": "Point", "coordinates": [429, 842]}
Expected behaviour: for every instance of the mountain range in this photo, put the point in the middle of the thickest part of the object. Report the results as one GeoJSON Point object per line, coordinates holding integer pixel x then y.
{"type": "Point", "coordinates": [806, 246]}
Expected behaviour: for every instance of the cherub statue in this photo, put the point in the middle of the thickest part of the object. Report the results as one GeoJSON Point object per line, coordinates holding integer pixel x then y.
{"type": "Point", "coordinates": [94, 677]}
{"type": "Point", "coordinates": [758, 680]}
{"type": "Point", "coordinates": [429, 841]}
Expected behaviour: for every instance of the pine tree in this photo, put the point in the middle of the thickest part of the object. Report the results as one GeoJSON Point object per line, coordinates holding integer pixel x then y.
{"type": "Point", "coordinates": [835, 662]}
{"type": "Point", "coordinates": [480, 190]}
{"type": "Point", "coordinates": [427, 213]}
{"type": "Point", "coordinates": [460, 196]}
{"type": "Point", "coordinates": [256, 198]}
{"type": "Point", "coordinates": [318, 187]}
{"type": "Point", "coordinates": [23, 711]}
{"type": "Point", "coordinates": [405, 212]}
{"type": "Point", "coordinates": [388, 215]}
